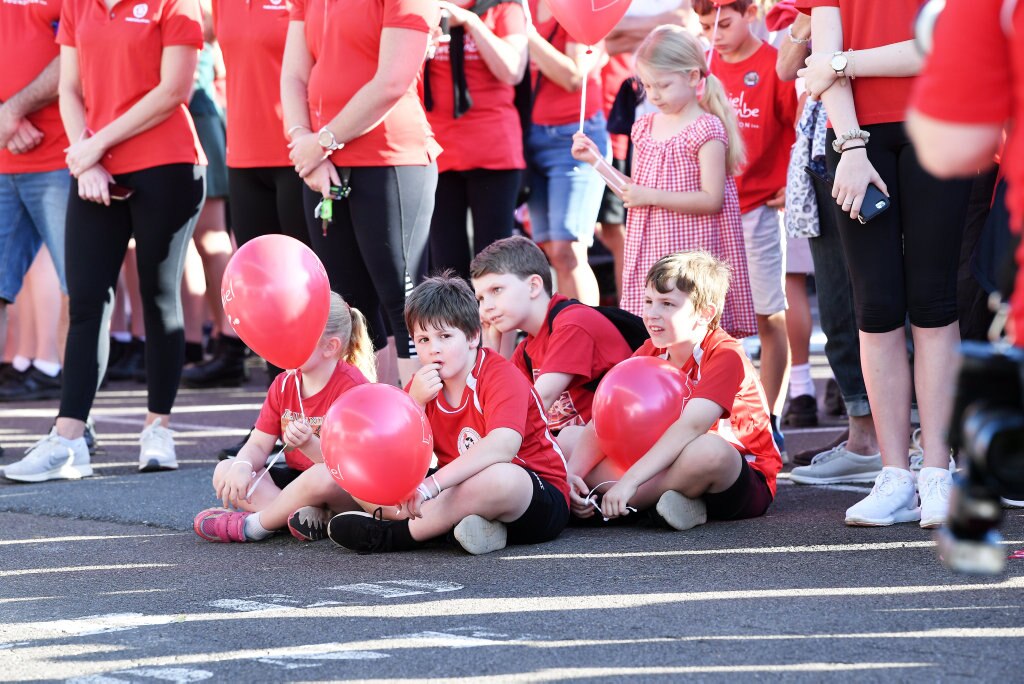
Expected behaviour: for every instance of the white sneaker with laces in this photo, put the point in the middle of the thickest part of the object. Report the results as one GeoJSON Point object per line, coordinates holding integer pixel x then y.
{"type": "Point", "coordinates": [838, 465]}
{"type": "Point", "coordinates": [52, 458]}
{"type": "Point", "coordinates": [680, 512]}
{"type": "Point", "coordinates": [157, 452]}
{"type": "Point", "coordinates": [893, 499]}
{"type": "Point", "coordinates": [934, 485]}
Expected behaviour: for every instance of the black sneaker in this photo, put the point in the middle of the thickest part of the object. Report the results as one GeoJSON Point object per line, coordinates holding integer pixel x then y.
{"type": "Point", "coordinates": [801, 412]}
{"type": "Point", "coordinates": [834, 404]}
{"type": "Point", "coordinates": [32, 385]}
{"type": "Point", "coordinates": [309, 523]}
{"type": "Point", "coordinates": [226, 368]}
{"type": "Point", "coordinates": [365, 533]}
{"type": "Point", "coordinates": [131, 363]}
{"type": "Point", "coordinates": [232, 451]}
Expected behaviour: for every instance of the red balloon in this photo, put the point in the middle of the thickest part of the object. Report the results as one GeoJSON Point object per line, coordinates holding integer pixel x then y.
{"type": "Point", "coordinates": [635, 403]}
{"type": "Point", "coordinates": [377, 443]}
{"type": "Point", "coordinates": [588, 21]}
{"type": "Point", "coordinates": [276, 295]}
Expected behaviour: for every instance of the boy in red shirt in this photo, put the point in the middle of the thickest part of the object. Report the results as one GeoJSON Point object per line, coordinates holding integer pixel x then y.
{"type": "Point", "coordinates": [718, 460]}
{"type": "Point", "coordinates": [501, 477]}
{"type": "Point", "coordinates": [766, 108]}
{"type": "Point", "coordinates": [565, 356]}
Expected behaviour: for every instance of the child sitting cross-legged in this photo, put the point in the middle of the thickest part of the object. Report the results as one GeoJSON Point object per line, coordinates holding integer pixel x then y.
{"type": "Point", "coordinates": [302, 495]}
{"type": "Point", "coordinates": [718, 460]}
{"type": "Point", "coordinates": [501, 477]}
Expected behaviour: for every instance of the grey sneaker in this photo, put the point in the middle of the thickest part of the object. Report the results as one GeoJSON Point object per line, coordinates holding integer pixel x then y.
{"type": "Point", "coordinates": [917, 454]}
{"type": "Point", "coordinates": [838, 465]}
{"type": "Point", "coordinates": [52, 458]}
{"type": "Point", "coordinates": [680, 512]}
{"type": "Point", "coordinates": [478, 535]}
{"type": "Point", "coordinates": [157, 452]}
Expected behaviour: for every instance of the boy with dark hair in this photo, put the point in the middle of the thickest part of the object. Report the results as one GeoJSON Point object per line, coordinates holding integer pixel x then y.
{"type": "Point", "coordinates": [568, 348]}
{"type": "Point", "coordinates": [501, 476]}
{"type": "Point", "coordinates": [718, 460]}
{"type": "Point", "coordinates": [766, 108]}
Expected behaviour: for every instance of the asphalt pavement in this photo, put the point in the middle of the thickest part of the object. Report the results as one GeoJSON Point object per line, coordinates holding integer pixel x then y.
{"type": "Point", "coordinates": [102, 580]}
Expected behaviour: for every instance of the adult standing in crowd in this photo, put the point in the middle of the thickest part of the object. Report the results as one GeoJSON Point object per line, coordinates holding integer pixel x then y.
{"type": "Point", "coordinates": [469, 95]}
{"type": "Point", "coordinates": [565, 195]}
{"type": "Point", "coordinates": [354, 116]}
{"type": "Point", "coordinates": [126, 70]}
{"type": "Point", "coordinates": [903, 263]}
{"type": "Point", "coordinates": [33, 186]}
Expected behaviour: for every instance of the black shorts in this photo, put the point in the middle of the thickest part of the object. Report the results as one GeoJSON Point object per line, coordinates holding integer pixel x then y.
{"type": "Point", "coordinates": [284, 475]}
{"type": "Point", "coordinates": [747, 497]}
{"type": "Point", "coordinates": [544, 519]}
{"type": "Point", "coordinates": [612, 209]}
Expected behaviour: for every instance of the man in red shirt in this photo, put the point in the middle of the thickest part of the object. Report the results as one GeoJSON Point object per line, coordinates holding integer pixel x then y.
{"type": "Point", "coordinates": [33, 184]}
{"type": "Point", "coordinates": [766, 108]}
{"type": "Point", "coordinates": [719, 459]}
{"type": "Point", "coordinates": [501, 476]}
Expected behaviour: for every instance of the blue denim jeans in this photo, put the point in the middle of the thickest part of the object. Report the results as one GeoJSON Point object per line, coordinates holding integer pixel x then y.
{"type": "Point", "coordinates": [32, 211]}
{"type": "Point", "coordinates": [835, 308]}
{"type": "Point", "coordinates": [565, 194]}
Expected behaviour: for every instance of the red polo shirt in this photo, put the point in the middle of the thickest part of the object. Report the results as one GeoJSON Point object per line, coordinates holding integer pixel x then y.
{"type": "Point", "coordinates": [251, 34]}
{"type": "Point", "coordinates": [345, 59]}
{"type": "Point", "coordinates": [119, 55]}
{"type": "Point", "coordinates": [26, 48]}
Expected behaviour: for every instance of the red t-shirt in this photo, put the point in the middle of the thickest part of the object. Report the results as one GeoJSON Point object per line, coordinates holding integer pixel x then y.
{"type": "Point", "coordinates": [497, 396]}
{"type": "Point", "coordinates": [119, 56]}
{"type": "Point", "coordinates": [282, 406]}
{"type": "Point", "coordinates": [719, 371]}
{"type": "Point", "coordinates": [870, 24]}
{"type": "Point", "coordinates": [553, 105]}
{"type": "Point", "coordinates": [488, 135]}
{"type": "Point", "coordinates": [346, 60]}
{"type": "Point", "coordinates": [766, 109]}
{"type": "Point", "coordinates": [582, 343]}
{"type": "Point", "coordinates": [617, 70]}
{"type": "Point", "coordinates": [251, 35]}
{"type": "Point", "coordinates": [26, 48]}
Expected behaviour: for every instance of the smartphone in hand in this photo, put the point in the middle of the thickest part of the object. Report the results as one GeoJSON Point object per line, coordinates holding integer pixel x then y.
{"type": "Point", "coordinates": [120, 192]}
{"type": "Point", "coordinates": [875, 201]}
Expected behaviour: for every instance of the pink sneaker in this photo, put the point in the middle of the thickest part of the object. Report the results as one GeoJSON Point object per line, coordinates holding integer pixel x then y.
{"type": "Point", "coordinates": [221, 525]}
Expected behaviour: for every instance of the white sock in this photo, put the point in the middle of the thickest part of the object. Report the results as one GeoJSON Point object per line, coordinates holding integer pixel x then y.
{"type": "Point", "coordinates": [51, 368]}
{"type": "Point", "coordinates": [122, 336]}
{"type": "Point", "coordinates": [21, 363]}
{"type": "Point", "coordinates": [253, 530]}
{"type": "Point", "coordinates": [800, 382]}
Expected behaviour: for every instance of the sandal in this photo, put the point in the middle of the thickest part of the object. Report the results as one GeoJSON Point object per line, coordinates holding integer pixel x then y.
{"type": "Point", "coordinates": [221, 525]}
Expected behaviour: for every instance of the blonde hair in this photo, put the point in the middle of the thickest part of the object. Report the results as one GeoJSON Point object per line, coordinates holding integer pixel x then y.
{"type": "Point", "coordinates": [699, 274]}
{"type": "Point", "coordinates": [673, 49]}
{"type": "Point", "coordinates": [349, 326]}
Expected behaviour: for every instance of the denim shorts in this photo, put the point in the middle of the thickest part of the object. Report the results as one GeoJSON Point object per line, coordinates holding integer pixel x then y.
{"type": "Point", "coordinates": [32, 211]}
{"type": "Point", "coordinates": [565, 194]}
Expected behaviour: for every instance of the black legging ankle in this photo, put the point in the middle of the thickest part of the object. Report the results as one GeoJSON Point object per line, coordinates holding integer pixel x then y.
{"type": "Point", "coordinates": [161, 216]}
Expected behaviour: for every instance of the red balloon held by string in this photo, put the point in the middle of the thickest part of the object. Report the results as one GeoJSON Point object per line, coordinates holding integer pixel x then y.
{"type": "Point", "coordinates": [588, 21]}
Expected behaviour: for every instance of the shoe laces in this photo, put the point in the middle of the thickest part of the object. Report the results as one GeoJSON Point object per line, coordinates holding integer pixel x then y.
{"type": "Point", "coordinates": [934, 486]}
{"type": "Point", "coordinates": [378, 533]}
{"type": "Point", "coordinates": [311, 516]}
{"type": "Point", "coordinates": [158, 434]}
{"type": "Point", "coordinates": [886, 484]}
{"type": "Point", "coordinates": [830, 455]}
{"type": "Point", "coordinates": [916, 451]}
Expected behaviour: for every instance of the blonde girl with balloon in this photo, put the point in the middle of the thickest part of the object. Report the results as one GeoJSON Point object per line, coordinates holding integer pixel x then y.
{"type": "Point", "coordinates": [681, 195]}
{"type": "Point", "coordinates": [302, 495]}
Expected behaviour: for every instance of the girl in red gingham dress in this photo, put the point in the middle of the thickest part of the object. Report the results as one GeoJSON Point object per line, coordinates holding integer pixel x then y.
{"type": "Point", "coordinates": [682, 194]}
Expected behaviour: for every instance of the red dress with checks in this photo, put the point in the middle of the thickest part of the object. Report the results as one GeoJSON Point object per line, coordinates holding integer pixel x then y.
{"type": "Point", "coordinates": [654, 232]}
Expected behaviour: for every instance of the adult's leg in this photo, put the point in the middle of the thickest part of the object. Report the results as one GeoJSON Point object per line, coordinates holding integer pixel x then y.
{"type": "Point", "coordinates": [19, 243]}
{"type": "Point", "coordinates": [492, 201]}
{"type": "Point", "coordinates": [449, 233]}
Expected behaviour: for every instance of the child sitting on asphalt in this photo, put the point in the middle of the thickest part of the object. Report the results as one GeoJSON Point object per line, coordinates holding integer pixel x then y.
{"type": "Point", "coordinates": [303, 494]}
{"type": "Point", "coordinates": [563, 355]}
{"type": "Point", "coordinates": [718, 460]}
{"type": "Point", "coordinates": [501, 476]}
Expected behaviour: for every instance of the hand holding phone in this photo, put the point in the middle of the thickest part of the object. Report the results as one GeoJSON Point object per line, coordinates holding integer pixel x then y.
{"type": "Point", "coordinates": [875, 201]}
{"type": "Point", "coordinates": [120, 192]}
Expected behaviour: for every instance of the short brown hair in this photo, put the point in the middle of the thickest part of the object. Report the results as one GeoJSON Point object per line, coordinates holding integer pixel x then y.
{"type": "Point", "coordinates": [699, 274]}
{"type": "Point", "coordinates": [444, 300]}
{"type": "Point", "coordinates": [517, 255]}
{"type": "Point", "coordinates": [702, 7]}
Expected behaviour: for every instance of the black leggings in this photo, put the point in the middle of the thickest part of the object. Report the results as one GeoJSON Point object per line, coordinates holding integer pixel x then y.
{"type": "Point", "coordinates": [490, 196]}
{"type": "Point", "coordinates": [161, 216]}
{"type": "Point", "coordinates": [904, 262]}
{"type": "Point", "coordinates": [376, 245]}
{"type": "Point", "coordinates": [264, 201]}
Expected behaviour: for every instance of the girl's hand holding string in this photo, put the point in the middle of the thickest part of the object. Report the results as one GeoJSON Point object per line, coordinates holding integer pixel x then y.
{"type": "Point", "coordinates": [584, 149]}
{"type": "Point", "coordinates": [615, 502]}
{"type": "Point", "coordinates": [231, 490]}
{"type": "Point", "coordinates": [634, 195]}
{"type": "Point", "coordinates": [578, 502]}
{"type": "Point", "coordinates": [297, 434]}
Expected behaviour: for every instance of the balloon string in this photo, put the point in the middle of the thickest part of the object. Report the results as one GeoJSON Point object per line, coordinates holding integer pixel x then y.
{"type": "Point", "coordinates": [583, 92]}
{"type": "Point", "coordinates": [302, 412]}
{"type": "Point", "coordinates": [714, 32]}
{"type": "Point", "coordinates": [591, 498]}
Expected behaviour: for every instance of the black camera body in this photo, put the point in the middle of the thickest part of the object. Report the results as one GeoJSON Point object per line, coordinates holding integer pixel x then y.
{"type": "Point", "coordinates": [987, 430]}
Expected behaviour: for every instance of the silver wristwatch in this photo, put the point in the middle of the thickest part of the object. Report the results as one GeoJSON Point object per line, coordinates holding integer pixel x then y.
{"type": "Point", "coordinates": [325, 138]}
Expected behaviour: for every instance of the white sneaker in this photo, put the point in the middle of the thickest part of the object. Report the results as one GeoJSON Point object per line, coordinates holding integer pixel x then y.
{"type": "Point", "coordinates": [934, 485]}
{"type": "Point", "coordinates": [157, 452]}
{"type": "Point", "coordinates": [681, 512]}
{"type": "Point", "coordinates": [52, 458]}
{"type": "Point", "coordinates": [838, 465]}
{"type": "Point", "coordinates": [1012, 503]}
{"type": "Point", "coordinates": [893, 499]}
{"type": "Point", "coordinates": [478, 535]}
{"type": "Point", "coordinates": [917, 454]}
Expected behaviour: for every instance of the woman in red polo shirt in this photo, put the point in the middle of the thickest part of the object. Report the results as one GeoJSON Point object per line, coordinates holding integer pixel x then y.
{"type": "Point", "coordinates": [903, 263]}
{"type": "Point", "coordinates": [469, 92]}
{"type": "Point", "coordinates": [126, 70]}
{"type": "Point", "coordinates": [350, 101]}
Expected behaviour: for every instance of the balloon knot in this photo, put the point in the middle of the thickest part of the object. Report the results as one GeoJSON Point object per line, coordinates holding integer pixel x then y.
{"type": "Point", "coordinates": [590, 50]}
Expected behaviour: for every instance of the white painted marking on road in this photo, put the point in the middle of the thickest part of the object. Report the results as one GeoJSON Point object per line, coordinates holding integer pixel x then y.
{"type": "Point", "coordinates": [929, 610]}
{"type": "Point", "coordinates": [416, 587]}
{"type": "Point", "coordinates": [444, 640]}
{"type": "Point", "coordinates": [84, 568]}
{"type": "Point", "coordinates": [83, 626]}
{"type": "Point", "coordinates": [244, 606]}
{"type": "Point", "coordinates": [96, 679]}
{"type": "Point", "coordinates": [27, 598]}
{"type": "Point", "coordinates": [179, 675]}
{"type": "Point", "coordinates": [98, 537]}
{"type": "Point", "coordinates": [435, 587]}
{"type": "Point", "coordinates": [121, 412]}
{"type": "Point", "coordinates": [292, 661]}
